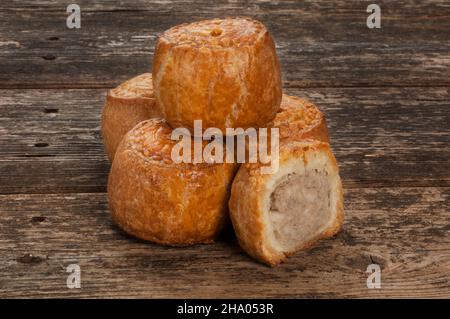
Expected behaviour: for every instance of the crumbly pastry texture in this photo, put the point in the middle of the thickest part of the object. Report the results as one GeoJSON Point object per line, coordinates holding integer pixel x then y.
{"type": "Point", "coordinates": [276, 215]}
{"type": "Point", "coordinates": [300, 119]}
{"type": "Point", "coordinates": [140, 86]}
{"type": "Point", "coordinates": [154, 199]}
{"type": "Point", "coordinates": [126, 105]}
{"type": "Point", "coordinates": [224, 72]}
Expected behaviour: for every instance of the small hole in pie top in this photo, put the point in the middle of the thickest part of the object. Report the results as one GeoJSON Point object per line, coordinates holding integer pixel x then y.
{"type": "Point", "coordinates": [216, 32]}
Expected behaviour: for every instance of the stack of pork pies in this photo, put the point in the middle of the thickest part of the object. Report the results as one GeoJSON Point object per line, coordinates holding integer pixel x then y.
{"type": "Point", "coordinates": [226, 74]}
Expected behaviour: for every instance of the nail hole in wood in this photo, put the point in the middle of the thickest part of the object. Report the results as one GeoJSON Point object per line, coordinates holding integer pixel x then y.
{"type": "Point", "coordinates": [53, 38]}
{"type": "Point", "coordinates": [29, 259]}
{"type": "Point", "coordinates": [37, 219]}
{"type": "Point", "coordinates": [41, 144]}
{"type": "Point", "coordinates": [49, 57]}
{"type": "Point", "coordinates": [48, 110]}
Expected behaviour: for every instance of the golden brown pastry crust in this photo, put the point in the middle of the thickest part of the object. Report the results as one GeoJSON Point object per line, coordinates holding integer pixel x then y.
{"type": "Point", "coordinates": [248, 197]}
{"type": "Point", "coordinates": [300, 119]}
{"type": "Point", "coordinates": [155, 199]}
{"type": "Point", "coordinates": [126, 105]}
{"type": "Point", "coordinates": [224, 72]}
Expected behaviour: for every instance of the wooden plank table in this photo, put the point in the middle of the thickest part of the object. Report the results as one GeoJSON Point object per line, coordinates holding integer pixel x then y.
{"type": "Point", "coordinates": [386, 95]}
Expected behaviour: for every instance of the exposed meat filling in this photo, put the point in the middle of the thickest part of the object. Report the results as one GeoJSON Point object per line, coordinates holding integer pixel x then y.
{"type": "Point", "coordinates": [300, 208]}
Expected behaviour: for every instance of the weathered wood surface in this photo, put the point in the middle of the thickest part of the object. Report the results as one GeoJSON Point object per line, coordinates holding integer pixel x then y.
{"type": "Point", "coordinates": [386, 96]}
{"type": "Point", "coordinates": [320, 43]}
{"type": "Point", "coordinates": [404, 230]}
{"type": "Point", "coordinates": [51, 141]}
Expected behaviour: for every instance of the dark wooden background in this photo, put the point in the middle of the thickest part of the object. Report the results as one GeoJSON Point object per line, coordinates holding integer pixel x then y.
{"type": "Point", "coordinates": [385, 92]}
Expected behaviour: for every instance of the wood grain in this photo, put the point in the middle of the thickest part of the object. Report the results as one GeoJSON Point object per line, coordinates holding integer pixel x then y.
{"type": "Point", "coordinates": [405, 230]}
{"type": "Point", "coordinates": [320, 44]}
{"type": "Point", "coordinates": [51, 141]}
{"type": "Point", "coordinates": [386, 96]}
